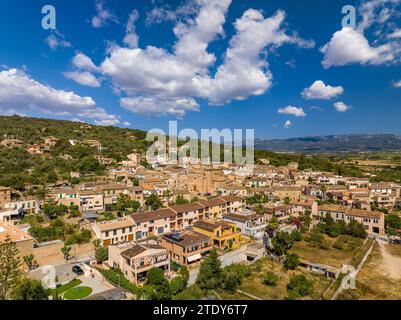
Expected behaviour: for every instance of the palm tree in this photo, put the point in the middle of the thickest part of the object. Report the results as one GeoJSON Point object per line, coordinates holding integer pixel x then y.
{"type": "Point", "coordinates": [66, 252]}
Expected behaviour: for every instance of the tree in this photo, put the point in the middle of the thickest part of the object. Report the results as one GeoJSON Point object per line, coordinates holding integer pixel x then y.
{"type": "Point", "coordinates": [270, 279]}
{"type": "Point", "coordinates": [184, 273]}
{"type": "Point", "coordinates": [177, 285]}
{"type": "Point", "coordinates": [101, 254]}
{"type": "Point", "coordinates": [356, 229]}
{"type": "Point", "coordinates": [191, 293]}
{"type": "Point", "coordinates": [291, 261]}
{"type": "Point", "coordinates": [282, 241]}
{"type": "Point", "coordinates": [155, 276]}
{"type": "Point", "coordinates": [66, 252]}
{"type": "Point", "coordinates": [393, 221]}
{"type": "Point", "coordinates": [123, 202]}
{"type": "Point", "coordinates": [159, 283]}
{"type": "Point", "coordinates": [153, 202]}
{"type": "Point", "coordinates": [29, 289]}
{"type": "Point", "coordinates": [180, 200]}
{"type": "Point", "coordinates": [210, 272]}
{"type": "Point", "coordinates": [231, 282]}
{"type": "Point", "coordinates": [9, 268]}
{"type": "Point", "coordinates": [299, 286]}
{"type": "Point", "coordinates": [29, 261]}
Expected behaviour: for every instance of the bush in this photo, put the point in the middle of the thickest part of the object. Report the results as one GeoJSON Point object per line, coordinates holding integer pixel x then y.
{"type": "Point", "coordinates": [356, 229]}
{"type": "Point", "coordinates": [231, 282]}
{"type": "Point", "coordinates": [270, 279]}
{"type": "Point", "coordinates": [291, 261]}
{"type": "Point", "coordinates": [242, 270]}
{"type": "Point", "coordinates": [177, 285]}
{"type": "Point", "coordinates": [299, 286]}
{"type": "Point", "coordinates": [296, 235]}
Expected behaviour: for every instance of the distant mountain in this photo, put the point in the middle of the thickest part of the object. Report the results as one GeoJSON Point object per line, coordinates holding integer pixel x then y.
{"type": "Point", "coordinates": [334, 143]}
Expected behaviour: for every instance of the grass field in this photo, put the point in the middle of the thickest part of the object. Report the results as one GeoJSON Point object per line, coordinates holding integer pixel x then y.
{"type": "Point", "coordinates": [77, 293]}
{"type": "Point", "coordinates": [331, 256]}
{"type": "Point", "coordinates": [372, 283]}
{"type": "Point", "coordinates": [254, 284]}
{"type": "Point", "coordinates": [32, 219]}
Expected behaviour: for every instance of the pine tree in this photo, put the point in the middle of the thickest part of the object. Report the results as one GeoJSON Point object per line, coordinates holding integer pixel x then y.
{"type": "Point", "coordinates": [9, 268]}
{"type": "Point", "coordinates": [210, 273]}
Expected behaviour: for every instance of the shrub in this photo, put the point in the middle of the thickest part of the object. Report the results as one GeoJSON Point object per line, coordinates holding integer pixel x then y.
{"type": "Point", "coordinates": [296, 235]}
{"type": "Point", "coordinates": [231, 282]}
{"type": "Point", "coordinates": [270, 279]}
{"type": "Point", "coordinates": [291, 261]}
{"type": "Point", "coordinates": [299, 286]}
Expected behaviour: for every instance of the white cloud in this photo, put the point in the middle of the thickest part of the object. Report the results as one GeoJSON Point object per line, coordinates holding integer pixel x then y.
{"type": "Point", "coordinates": [349, 46]}
{"type": "Point", "coordinates": [126, 123]}
{"type": "Point", "coordinates": [294, 111]}
{"type": "Point", "coordinates": [84, 78]}
{"type": "Point", "coordinates": [395, 35]}
{"type": "Point", "coordinates": [20, 92]}
{"type": "Point", "coordinates": [166, 13]}
{"type": "Point", "coordinates": [153, 105]}
{"type": "Point", "coordinates": [131, 38]}
{"type": "Point", "coordinates": [397, 84]}
{"type": "Point", "coordinates": [185, 75]}
{"type": "Point", "coordinates": [375, 11]}
{"type": "Point", "coordinates": [287, 124]}
{"type": "Point", "coordinates": [57, 39]}
{"type": "Point", "coordinates": [341, 107]}
{"type": "Point", "coordinates": [318, 90]}
{"type": "Point", "coordinates": [82, 61]}
{"type": "Point", "coordinates": [103, 15]}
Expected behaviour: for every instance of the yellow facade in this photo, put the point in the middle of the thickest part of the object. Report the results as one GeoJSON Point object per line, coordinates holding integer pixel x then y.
{"type": "Point", "coordinates": [222, 235]}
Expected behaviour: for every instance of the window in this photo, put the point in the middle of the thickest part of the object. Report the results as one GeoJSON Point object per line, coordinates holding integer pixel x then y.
{"type": "Point", "coordinates": [114, 232]}
{"type": "Point", "coordinates": [106, 234]}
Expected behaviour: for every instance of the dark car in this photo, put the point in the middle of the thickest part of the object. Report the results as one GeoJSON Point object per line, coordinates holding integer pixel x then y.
{"type": "Point", "coordinates": [77, 270]}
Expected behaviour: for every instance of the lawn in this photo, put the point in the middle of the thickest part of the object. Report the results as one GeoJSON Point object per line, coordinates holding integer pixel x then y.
{"type": "Point", "coordinates": [372, 283]}
{"type": "Point", "coordinates": [33, 220]}
{"type": "Point", "coordinates": [346, 247]}
{"type": "Point", "coordinates": [65, 287]}
{"type": "Point", "coordinates": [255, 286]}
{"type": "Point", "coordinates": [77, 293]}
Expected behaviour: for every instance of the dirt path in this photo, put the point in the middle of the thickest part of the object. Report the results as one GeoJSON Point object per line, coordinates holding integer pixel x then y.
{"type": "Point", "coordinates": [390, 264]}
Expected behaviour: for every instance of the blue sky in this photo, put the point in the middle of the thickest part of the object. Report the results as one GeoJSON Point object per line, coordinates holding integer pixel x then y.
{"type": "Point", "coordinates": [208, 63]}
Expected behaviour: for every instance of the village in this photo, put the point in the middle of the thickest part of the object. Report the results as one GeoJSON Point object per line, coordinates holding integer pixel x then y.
{"type": "Point", "coordinates": [140, 217]}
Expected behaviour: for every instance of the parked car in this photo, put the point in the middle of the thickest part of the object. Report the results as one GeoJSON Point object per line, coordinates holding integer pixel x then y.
{"type": "Point", "coordinates": [77, 270]}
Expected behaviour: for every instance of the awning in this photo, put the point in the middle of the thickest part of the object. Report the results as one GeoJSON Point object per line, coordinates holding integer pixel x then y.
{"type": "Point", "coordinates": [194, 257]}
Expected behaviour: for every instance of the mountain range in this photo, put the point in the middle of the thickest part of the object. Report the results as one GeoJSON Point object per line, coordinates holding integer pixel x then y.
{"type": "Point", "coordinates": [333, 143]}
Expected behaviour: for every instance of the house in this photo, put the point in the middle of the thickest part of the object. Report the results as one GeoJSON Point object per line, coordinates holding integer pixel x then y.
{"type": "Point", "coordinates": [115, 231]}
{"type": "Point", "coordinates": [291, 192]}
{"type": "Point", "coordinates": [65, 196]}
{"type": "Point", "coordinates": [188, 214]}
{"type": "Point", "coordinates": [300, 206]}
{"type": "Point", "coordinates": [91, 200]}
{"type": "Point", "coordinates": [12, 143]}
{"type": "Point", "coordinates": [23, 241]}
{"type": "Point", "coordinates": [234, 203]}
{"type": "Point", "coordinates": [186, 248]}
{"type": "Point", "coordinates": [373, 221]}
{"type": "Point", "coordinates": [5, 196]}
{"type": "Point", "coordinates": [224, 234]}
{"type": "Point", "coordinates": [28, 205]}
{"type": "Point", "coordinates": [154, 223]}
{"type": "Point", "coordinates": [255, 251]}
{"type": "Point", "coordinates": [250, 225]}
{"type": "Point", "coordinates": [283, 212]}
{"type": "Point", "coordinates": [135, 260]}
{"type": "Point", "coordinates": [214, 208]}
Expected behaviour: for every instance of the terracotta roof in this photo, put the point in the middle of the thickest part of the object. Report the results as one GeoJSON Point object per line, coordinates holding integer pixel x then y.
{"type": "Point", "coordinates": [212, 202]}
{"type": "Point", "coordinates": [232, 198]}
{"type": "Point", "coordinates": [333, 207]}
{"type": "Point", "coordinates": [364, 214]}
{"type": "Point", "coordinates": [115, 224]}
{"type": "Point", "coordinates": [187, 207]}
{"type": "Point", "coordinates": [14, 232]}
{"type": "Point", "coordinates": [153, 215]}
{"type": "Point", "coordinates": [138, 249]}
{"type": "Point", "coordinates": [187, 238]}
{"type": "Point", "coordinates": [241, 217]}
{"type": "Point", "coordinates": [211, 226]}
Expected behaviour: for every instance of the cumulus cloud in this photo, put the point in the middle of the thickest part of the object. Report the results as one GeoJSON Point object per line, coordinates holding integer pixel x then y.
{"type": "Point", "coordinates": [318, 90]}
{"type": "Point", "coordinates": [56, 39]}
{"type": "Point", "coordinates": [103, 15]}
{"type": "Point", "coordinates": [131, 38]}
{"type": "Point", "coordinates": [397, 84]}
{"type": "Point", "coordinates": [84, 78]}
{"type": "Point", "coordinates": [341, 107]}
{"type": "Point", "coordinates": [18, 91]}
{"type": "Point", "coordinates": [177, 79]}
{"type": "Point", "coordinates": [294, 111]}
{"type": "Point", "coordinates": [82, 61]}
{"type": "Point", "coordinates": [349, 46]}
{"type": "Point", "coordinates": [287, 124]}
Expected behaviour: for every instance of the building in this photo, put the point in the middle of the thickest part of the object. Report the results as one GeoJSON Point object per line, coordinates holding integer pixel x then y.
{"type": "Point", "coordinates": [188, 214]}
{"type": "Point", "coordinates": [5, 196]}
{"type": "Point", "coordinates": [28, 205]}
{"type": "Point", "coordinates": [24, 242]}
{"type": "Point", "coordinates": [91, 200]}
{"type": "Point", "coordinates": [64, 196]}
{"type": "Point", "coordinates": [373, 221]}
{"type": "Point", "coordinates": [186, 248]}
{"type": "Point", "coordinates": [223, 234]}
{"type": "Point", "coordinates": [290, 192]}
{"type": "Point", "coordinates": [214, 208]}
{"type": "Point", "coordinates": [135, 260]}
{"type": "Point", "coordinates": [250, 225]}
{"type": "Point", "coordinates": [12, 143]}
{"type": "Point", "coordinates": [234, 203]}
{"type": "Point", "coordinates": [115, 231]}
{"type": "Point", "coordinates": [154, 223]}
